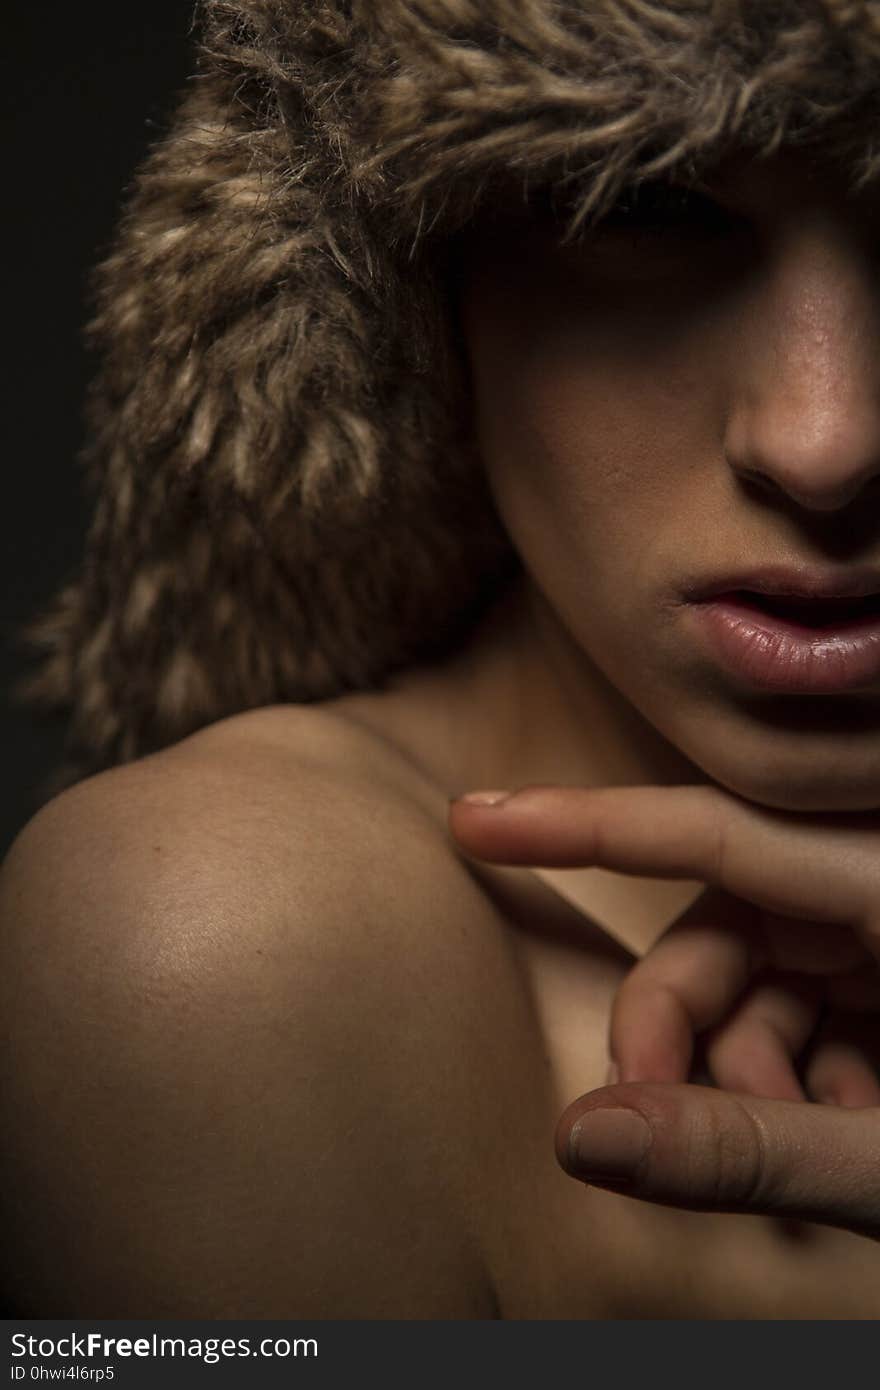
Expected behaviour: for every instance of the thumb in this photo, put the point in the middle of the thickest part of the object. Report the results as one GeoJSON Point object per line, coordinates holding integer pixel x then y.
{"type": "Point", "coordinates": [710, 1150]}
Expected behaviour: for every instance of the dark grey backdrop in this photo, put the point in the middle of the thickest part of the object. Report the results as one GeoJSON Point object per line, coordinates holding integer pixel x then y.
{"type": "Point", "coordinates": [86, 88]}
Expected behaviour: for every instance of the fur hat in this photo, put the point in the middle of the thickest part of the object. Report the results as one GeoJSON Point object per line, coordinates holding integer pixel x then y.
{"type": "Point", "coordinates": [287, 502]}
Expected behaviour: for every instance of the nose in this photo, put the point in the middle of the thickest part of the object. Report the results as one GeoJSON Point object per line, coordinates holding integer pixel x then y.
{"type": "Point", "coordinates": [806, 418]}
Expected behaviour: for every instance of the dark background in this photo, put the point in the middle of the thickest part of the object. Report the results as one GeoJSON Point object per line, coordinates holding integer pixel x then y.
{"type": "Point", "coordinates": [86, 89]}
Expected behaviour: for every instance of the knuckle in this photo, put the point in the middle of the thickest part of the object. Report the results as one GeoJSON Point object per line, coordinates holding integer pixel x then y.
{"type": "Point", "coordinates": [719, 846]}
{"type": "Point", "coordinates": [737, 1171]}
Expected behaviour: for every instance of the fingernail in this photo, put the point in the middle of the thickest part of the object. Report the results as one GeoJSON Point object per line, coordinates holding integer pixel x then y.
{"type": "Point", "coordinates": [608, 1145]}
{"type": "Point", "coordinates": [612, 1075]}
{"type": "Point", "coordinates": [490, 798]}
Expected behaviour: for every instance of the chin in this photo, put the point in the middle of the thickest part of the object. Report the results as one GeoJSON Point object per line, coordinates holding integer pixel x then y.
{"type": "Point", "coordinates": [819, 756]}
{"type": "Point", "coordinates": [800, 789]}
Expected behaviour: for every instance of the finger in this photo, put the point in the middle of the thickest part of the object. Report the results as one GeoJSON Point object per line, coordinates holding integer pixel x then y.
{"type": "Point", "coordinates": [755, 1050]}
{"type": "Point", "coordinates": [838, 1073]}
{"type": "Point", "coordinates": [688, 982]}
{"type": "Point", "coordinates": [843, 1062]}
{"type": "Point", "coordinates": [695, 974]}
{"type": "Point", "coordinates": [842, 1065]}
{"type": "Point", "coordinates": [709, 1150]}
{"type": "Point", "coordinates": [822, 868]}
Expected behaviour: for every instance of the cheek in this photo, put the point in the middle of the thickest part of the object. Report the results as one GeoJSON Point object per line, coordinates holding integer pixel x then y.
{"type": "Point", "coordinates": [590, 429]}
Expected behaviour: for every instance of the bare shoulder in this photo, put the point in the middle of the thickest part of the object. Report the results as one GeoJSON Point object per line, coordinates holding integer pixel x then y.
{"type": "Point", "coordinates": [234, 975]}
{"type": "Point", "coordinates": [256, 816]}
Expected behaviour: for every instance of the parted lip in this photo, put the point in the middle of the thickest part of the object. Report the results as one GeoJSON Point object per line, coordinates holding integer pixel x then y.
{"type": "Point", "coordinates": [787, 581]}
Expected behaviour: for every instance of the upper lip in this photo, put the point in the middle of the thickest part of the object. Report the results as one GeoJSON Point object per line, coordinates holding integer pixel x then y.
{"type": "Point", "coordinates": [787, 581]}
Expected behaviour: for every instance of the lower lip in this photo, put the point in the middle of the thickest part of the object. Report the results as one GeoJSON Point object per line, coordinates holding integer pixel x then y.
{"type": "Point", "coordinates": [772, 653]}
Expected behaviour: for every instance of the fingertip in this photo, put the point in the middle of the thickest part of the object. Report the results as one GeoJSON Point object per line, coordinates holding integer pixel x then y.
{"type": "Point", "coordinates": [571, 1116]}
{"type": "Point", "coordinates": [580, 1123]}
{"type": "Point", "coordinates": [651, 1034]}
{"type": "Point", "coordinates": [562, 1133]}
{"type": "Point", "coordinates": [608, 1145]}
{"type": "Point", "coordinates": [480, 800]}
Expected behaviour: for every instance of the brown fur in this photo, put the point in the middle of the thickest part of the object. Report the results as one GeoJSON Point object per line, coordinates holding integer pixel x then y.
{"type": "Point", "coordinates": [287, 505]}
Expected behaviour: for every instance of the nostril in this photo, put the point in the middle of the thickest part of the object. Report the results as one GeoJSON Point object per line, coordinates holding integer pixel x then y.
{"type": "Point", "coordinates": [760, 482]}
{"type": "Point", "coordinates": [804, 455]}
{"type": "Point", "coordinates": [812, 494]}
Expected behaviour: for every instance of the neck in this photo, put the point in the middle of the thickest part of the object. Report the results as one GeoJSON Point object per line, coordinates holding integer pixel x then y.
{"type": "Point", "coordinates": [521, 703]}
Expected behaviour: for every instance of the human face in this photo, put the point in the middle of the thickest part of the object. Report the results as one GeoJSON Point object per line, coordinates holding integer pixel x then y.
{"type": "Point", "coordinates": [692, 394]}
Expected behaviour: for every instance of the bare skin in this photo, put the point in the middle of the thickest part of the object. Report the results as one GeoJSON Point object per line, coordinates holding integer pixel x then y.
{"type": "Point", "coordinates": [282, 1052]}
{"type": "Point", "coordinates": [280, 1048]}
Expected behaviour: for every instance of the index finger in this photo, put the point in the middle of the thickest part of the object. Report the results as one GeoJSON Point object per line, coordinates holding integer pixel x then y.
{"type": "Point", "coordinates": [823, 868]}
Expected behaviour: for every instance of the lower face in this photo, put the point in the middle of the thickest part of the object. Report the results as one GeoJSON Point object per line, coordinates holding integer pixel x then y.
{"type": "Point", "coordinates": [657, 407]}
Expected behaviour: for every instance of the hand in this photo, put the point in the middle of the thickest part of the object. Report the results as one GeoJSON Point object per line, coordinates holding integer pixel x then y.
{"type": "Point", "coordinates": [790, 924]}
